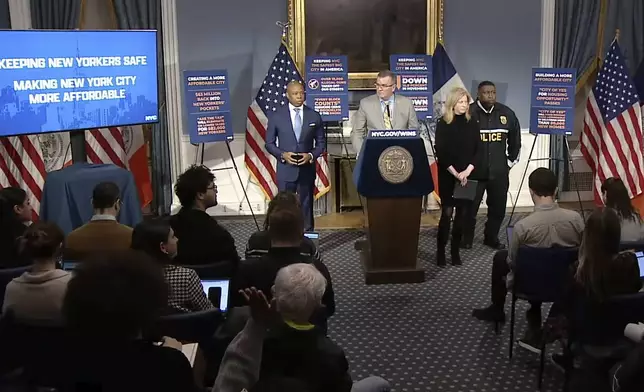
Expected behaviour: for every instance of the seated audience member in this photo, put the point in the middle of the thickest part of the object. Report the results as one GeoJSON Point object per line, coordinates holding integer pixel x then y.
{"type": "Point", "coordinates": [102, 233]}
{"type": "Point", "coordinates": [185, 292]}
{"type": "Point", "coordinates": [615, 196]}
{"type": "Point", "coordinates": [295, 349]}
{"type": "Point", "coordinates": [203, 240]}
{"type": "Point", "coordinates": [15, 215]}
{"type": "Point", "coordinates": [546, 227]}
{"type": "Point", "coordinates": [110, 302]}
{"type": "Point", "coordinates": [260, 241]}
{"type": "Point", "coordinates": [286, 231]}
{"type": "Point", "coordinates": [604, 271]}
{"type": "Point", "coordinates": [36, 297]}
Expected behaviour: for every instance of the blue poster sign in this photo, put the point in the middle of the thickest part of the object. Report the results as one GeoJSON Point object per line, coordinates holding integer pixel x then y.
{"type": "Point", "coordinates": [552, 108]}
{"type": "Point", "coordinates": [207, 102]}
{"type": "Point", "coordinates": [414, 80]}
{"type": "Point", "coordinates": [327, 86]}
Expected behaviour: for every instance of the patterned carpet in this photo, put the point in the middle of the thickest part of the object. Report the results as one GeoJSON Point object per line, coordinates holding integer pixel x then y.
{"type": "Point", "coordinates": [422, 337]}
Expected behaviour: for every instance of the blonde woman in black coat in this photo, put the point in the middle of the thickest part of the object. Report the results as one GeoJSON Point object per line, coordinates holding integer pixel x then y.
{"type": "Point", "coordinates": [457, 146]}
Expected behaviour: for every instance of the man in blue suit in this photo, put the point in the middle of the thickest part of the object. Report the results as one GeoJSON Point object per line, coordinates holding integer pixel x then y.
{"type": "Point", "coordinates": [296, 138]}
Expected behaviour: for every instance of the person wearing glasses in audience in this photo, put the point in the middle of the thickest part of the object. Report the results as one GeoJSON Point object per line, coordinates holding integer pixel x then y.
{"type": "Point", "coordinates": [202, 240]}
{"type": "Point", "coordinates": [383, 110]}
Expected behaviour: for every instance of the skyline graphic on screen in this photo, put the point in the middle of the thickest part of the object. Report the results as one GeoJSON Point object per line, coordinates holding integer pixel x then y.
{"type": "Point", "coordinates": [69, 80]}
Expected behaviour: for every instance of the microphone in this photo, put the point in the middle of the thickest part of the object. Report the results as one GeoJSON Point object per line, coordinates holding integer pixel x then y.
{"type": "Point", "coordinates": [387, 109]}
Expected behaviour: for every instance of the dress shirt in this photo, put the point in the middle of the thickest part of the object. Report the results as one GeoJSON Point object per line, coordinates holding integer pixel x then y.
{"type": "Point", "coordinates": [291, 111]}
{"type": "Point", "coordinates": [391, 102]}
{"type": "Point", "coordinates": [103, 217]}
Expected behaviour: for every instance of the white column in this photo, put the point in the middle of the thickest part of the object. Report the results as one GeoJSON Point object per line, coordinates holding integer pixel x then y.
{"type": "Point", "coordinates": [20, 14]}
{"type": "Point", "coordinates": [519, 192]}
{"type": "Point", "coordinates": [172, 85]}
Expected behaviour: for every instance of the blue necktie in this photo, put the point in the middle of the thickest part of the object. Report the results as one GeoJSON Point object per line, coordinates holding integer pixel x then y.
{"type": "Point", "coordinates": [297, 125]}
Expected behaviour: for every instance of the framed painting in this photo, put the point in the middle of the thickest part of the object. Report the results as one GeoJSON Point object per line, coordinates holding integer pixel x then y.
{"type": "Point", "coordinates": [367, 31]}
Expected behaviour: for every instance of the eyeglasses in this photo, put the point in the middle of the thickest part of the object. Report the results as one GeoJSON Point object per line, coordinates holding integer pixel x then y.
{"type": "Point", "coordinates": [213, 187]}
{"type": "Point", "coordinates": [378, 85]}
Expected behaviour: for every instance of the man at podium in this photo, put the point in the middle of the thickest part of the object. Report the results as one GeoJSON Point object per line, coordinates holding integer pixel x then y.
{"type": "Point", "coordinates": [383, 110]}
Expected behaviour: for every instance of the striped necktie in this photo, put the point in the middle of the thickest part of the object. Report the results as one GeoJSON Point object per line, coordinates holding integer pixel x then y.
{"type": "Point", "coordinates": [387, 117]}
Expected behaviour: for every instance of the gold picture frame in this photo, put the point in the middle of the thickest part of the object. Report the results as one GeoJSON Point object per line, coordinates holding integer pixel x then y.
{"type": "Point", "coordinates": [363, 80]}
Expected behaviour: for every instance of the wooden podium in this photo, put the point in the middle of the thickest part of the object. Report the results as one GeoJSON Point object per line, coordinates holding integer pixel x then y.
{"type": "Point", "coordinates": [393, 175]}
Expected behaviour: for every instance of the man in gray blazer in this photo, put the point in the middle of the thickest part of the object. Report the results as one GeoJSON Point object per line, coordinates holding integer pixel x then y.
{"type": "Point", "coordinates": [383, 110]}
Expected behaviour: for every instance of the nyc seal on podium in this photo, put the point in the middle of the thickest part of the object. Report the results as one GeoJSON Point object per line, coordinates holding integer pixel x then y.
{"type": "Point", "coordinates": [395, 165]}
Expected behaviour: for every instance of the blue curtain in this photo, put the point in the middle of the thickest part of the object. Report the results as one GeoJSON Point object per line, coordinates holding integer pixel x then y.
{"type": "Point", "coordinates": [576, 29]}
{"type": "Point", "coordinates": [55, 14]}
{"type": "Point", "coordinates": [146, 14]}
{"type": "Point", "coordinates": [628, 17]}
{"type": "Point", "coordinates": [5, 19]}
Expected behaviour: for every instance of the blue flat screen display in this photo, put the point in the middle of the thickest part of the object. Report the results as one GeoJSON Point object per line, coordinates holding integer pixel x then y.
{"type": "Point", "coordinates": [58, 80]}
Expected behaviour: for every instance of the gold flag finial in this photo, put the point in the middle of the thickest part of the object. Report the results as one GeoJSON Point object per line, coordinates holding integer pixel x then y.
{"type": "Point", "coordinates": [617, 34]}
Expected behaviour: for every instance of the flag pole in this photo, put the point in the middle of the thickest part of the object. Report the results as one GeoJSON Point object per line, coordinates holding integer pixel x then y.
{"type": "Point", "coordinates": [617, 35]}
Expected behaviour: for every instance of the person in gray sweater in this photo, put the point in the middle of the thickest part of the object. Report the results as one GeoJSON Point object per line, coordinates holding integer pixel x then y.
{"type": "Point", "coordinates": [36, 296]}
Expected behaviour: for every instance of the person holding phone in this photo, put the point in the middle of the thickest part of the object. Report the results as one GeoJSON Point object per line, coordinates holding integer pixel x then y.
{"type": "Point", "coordinates": [457, 148]}
{"type": "Point", "coordinates": [296, 138]}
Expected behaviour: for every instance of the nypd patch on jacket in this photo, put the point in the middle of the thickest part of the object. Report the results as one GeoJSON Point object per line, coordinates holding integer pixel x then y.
{"type": "Point", "coordinates": [500, 140]}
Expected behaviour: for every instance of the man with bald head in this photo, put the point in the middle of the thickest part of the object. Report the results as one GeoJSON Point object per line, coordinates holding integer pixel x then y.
{"type": "Point", "coordinates": [296, 138]}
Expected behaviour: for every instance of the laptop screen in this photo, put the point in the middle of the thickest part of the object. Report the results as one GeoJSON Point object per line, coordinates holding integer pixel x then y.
{"type": "Point", "coordinates": [313, 236]}
{"type": "Point", "coordinates": [69, 265]}
{"type": "Point", "coordinates": [217, 292]}
{"type": "Point", "coordinates": [640, 261]}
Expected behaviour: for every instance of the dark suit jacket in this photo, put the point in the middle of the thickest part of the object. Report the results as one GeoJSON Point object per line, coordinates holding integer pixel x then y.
{"type": "Point", "coordinates": [312, 140]}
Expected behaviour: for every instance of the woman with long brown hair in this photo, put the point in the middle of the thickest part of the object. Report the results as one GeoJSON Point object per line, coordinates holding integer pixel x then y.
{"type": "Point", "coordinates": [603, 270]}
{"type": "Point", "coordinates": [615, 196]}
{"type": "Point", "coordinates": [457, 146]}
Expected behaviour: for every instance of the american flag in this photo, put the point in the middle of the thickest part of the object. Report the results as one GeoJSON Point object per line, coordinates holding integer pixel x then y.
{"type": "Point", "coordinates": [22, 166]}
{"type": "Point", "coordinates": [611, 141]}
{"type": "Point", "coordinates": [271, 96]}
{"type": "Point", "coordinates": [106, 146]}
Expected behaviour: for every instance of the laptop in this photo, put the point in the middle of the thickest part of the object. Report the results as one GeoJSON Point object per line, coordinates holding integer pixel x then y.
{"type": "Point", "coordinates": [313, 236]}
{"type": "Point", "coordinates": [218, 292]}
{"type": "Point", "coordinates": [508, 232]}
{"type": "Point", "coordinates": [640, 261]}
